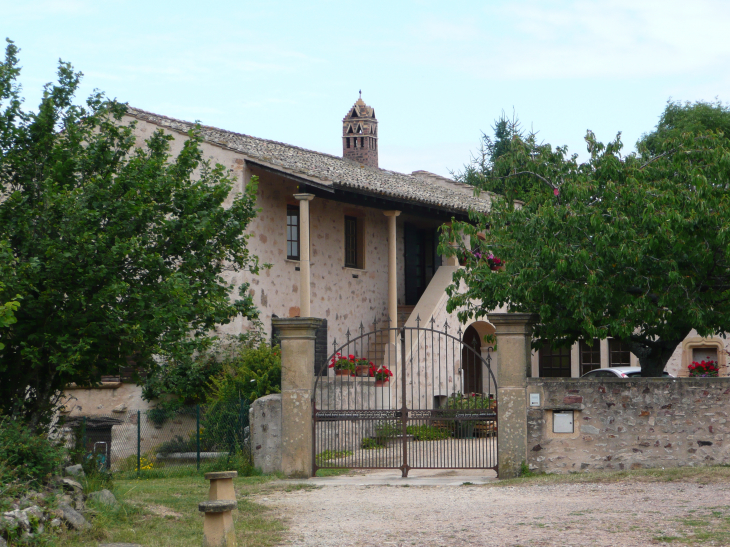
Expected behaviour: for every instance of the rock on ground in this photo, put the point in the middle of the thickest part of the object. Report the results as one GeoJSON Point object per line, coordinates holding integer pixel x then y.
{"type": "Point", "coordinates": [72, 517]}
{"type": "Point", "coordinates": [69, 484]}
{"type": "Point", "coordinates": [18, 518]}
{"type": "Point", "coordinates": [75, 471]}
{"type": "Point", "coordinates": [103, 496]}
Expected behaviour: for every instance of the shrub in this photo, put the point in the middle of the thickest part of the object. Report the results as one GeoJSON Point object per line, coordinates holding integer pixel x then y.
{"type": "Point", "coordinates": [249, 372]}
{"type": "Point", "coordinates": [31, 457]}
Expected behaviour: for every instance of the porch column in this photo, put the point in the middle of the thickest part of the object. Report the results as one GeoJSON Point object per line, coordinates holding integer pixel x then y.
{"type": "Point", "coordinates": [514, 337]}
{"type": "Point", "coordinates": [304, 277]}
{"type": "Point", "coordinates": [296, 335]}
{"type": "Point", "coordinates": [392, 272]}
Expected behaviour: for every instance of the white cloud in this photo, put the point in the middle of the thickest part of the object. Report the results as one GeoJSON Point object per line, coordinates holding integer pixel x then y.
{"type": "Point", "coordinates": [578, 39]}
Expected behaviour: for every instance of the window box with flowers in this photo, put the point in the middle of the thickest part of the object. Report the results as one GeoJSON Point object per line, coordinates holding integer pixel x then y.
{"type": "Point", "coordinates": [350, 365]}
{"type": "Point", "coordinates": [703, 369]}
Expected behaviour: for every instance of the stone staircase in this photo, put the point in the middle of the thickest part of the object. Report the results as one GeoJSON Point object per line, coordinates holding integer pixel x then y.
{"type": "Point", "coordinates": [377, 347]}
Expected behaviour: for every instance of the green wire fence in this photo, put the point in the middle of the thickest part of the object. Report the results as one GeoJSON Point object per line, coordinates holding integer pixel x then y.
{"type": "Point", "coordinates": [162, 442]}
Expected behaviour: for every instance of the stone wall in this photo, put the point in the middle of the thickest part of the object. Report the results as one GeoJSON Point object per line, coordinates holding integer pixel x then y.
{"type": "Point", "coordinates": [628, 424]}
{"type": "Point", "coordinates": [344, 296]}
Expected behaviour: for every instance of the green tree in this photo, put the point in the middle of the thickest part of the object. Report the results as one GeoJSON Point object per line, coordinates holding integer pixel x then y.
{"type": "Point", "coordinates": [7, 309]}
{"type": "Point", "coordinates": [502, 164]}
{"type": "Point", "coordinates": [688, 117]}
{"type": "Point", "coordinates": [120, 247]}
{"type": "Point", "coordinates": [625, 247]}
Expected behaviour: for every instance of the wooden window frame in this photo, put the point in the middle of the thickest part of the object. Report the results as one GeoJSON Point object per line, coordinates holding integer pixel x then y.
{"type": "Point", "coordinates": [590, 357]}
{"type": "Point", "coordinates": [613, 350]}
{"type": "Point", "coordinates": [547, 355]}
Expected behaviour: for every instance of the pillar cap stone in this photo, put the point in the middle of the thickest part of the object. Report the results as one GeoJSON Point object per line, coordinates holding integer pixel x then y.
{"type": "Point", "coordinates": [513, 323]}
{"type": "Point", "coordinates": [218, 506]}
{"type": "Point", "coordinates": [221, 475]}
{"type": "Point", "coordinates": [391, 213]}
{"type": "Point", "coordinates": [296, 327]}
{"type": "Point", "coordinates": [304, 197]}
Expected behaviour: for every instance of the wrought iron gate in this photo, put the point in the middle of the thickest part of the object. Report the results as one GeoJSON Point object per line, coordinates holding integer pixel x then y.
{"type": "Point", "coordinates": [420, 417]}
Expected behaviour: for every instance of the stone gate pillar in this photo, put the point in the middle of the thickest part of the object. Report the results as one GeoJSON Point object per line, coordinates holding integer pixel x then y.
{"type": "Point", "coordinates": [514, 335]}
{"type": "Point", "coordinates": [296, 335]}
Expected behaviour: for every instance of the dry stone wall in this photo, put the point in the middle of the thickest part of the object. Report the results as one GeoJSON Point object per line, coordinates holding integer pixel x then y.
{"type": "Point", "coordinates": [628, 424]}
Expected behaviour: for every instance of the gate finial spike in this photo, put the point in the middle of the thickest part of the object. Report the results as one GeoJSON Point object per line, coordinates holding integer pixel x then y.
{"type": "Point", "coordinates": [348, 335]}
{"type": "Point", "coordinates": [433, 320]}
{"type": "Point", "coordinates": [334, 345]}
{"type": "Point", "coordinates": [459, 332]}
{"type": "Point", "coordinates": [446, 325]}
{"type": "Point", "coordinates": [418, 321]}
{"type": "Point", "coordinates": [361, 328]}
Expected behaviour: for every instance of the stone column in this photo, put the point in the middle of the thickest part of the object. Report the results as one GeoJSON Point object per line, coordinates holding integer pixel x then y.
{"type": "Point", "coordinates": [304, 277]}
{"type": "Point", "coordinates": [514, 335]}
{"type": "Point", "coordinates": [296, 335]}
{"type": "Point", "coordinates": [392, 271]}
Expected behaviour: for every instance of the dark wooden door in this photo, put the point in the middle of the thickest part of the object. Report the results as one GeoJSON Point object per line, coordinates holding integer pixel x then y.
{"type": "Point", "coordinates": [471, 364]}
{"type": "Point", "coordinates": [421, 260]}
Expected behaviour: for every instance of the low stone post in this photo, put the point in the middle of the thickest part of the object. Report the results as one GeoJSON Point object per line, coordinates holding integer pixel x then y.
{"type": "Point", "coordinates": [218, 528]}
{"type": "Point", "coordinates": [514, 337]}
{"type": "Point", "coordinates": [296, 335]}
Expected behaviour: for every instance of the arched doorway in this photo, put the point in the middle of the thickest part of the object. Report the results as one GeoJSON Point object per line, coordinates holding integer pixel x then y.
{"type": "Point", "coordinates": [471, 365]}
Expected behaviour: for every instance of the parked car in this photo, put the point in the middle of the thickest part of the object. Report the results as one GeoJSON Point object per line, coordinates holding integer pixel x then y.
{"type": "Point", "coordinates": [618, 372]}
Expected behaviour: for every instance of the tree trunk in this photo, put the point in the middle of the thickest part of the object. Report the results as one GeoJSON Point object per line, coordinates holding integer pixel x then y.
{"type": "Point", "coordinates": [654, 356]}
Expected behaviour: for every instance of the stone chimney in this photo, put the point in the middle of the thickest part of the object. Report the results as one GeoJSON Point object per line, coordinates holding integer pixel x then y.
{"type": "Point", "coordinates": [360, 134]}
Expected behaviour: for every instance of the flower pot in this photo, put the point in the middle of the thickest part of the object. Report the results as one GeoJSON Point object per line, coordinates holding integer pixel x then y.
{"type": "Point", "coordinates": [342, 372]}
{"type": "Point", "coordinates": [362, 370]}
{"type": "Point", "coordinates": [381, 383]}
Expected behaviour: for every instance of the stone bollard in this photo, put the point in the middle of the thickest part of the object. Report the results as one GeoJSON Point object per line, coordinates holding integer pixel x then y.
{"type": "Point", "coordinates": [218, 524]}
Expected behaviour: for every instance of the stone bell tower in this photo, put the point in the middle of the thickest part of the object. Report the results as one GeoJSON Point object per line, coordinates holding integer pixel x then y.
{"type": "Point", "coordinates": [360, 134]}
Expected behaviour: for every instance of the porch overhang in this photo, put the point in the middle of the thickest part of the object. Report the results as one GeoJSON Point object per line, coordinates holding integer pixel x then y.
{"type": "Point", "coordinates": [333, 191]}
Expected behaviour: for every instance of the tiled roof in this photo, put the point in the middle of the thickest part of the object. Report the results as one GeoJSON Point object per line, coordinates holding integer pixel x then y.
{"type": "Point", "coordinates": [422, 187]}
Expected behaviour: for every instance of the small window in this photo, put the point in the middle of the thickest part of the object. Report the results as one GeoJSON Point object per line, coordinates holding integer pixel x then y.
{"type": "Point", "coordinates": [704, 354]}
{"type": "Point", "coordinates": [619, 354]}
{"type": "Point", "coordinates": [292, 232]}
{"type": "Point", "coordinates": [554, 362]}
{"type": "Point", "coordinates": [354, 243]}
{"type": "Point", "coordinates": [351, 242]}
{"type": "Point", "coordinates": [590, 357]}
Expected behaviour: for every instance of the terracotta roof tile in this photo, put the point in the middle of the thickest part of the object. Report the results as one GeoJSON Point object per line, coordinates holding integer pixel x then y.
{"type": "Point", "coordinates": [421, 187]}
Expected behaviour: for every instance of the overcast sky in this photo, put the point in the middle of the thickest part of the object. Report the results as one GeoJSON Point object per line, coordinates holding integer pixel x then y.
{"type": "Point", "coordinates": [437, 73]}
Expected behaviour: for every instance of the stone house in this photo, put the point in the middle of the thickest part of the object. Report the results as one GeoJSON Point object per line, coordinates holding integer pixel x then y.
{"type": "Point", "coordinates": [347, 241]}
{"type": "Point", "coordinates": [352, 244]}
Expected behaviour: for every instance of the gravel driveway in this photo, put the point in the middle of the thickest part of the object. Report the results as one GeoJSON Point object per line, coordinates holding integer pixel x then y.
{"type": "Point", "coordinates": [629, 513]}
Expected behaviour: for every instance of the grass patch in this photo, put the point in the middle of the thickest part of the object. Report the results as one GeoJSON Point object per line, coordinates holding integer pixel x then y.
{"type": "Point", "coordinates": [158, 513]}
{"type": "Point", "coordinates": [699, 475]}
{"type": "Point", "coordinates": [368, 443]}
{"type": "Point", "coordinates": [331, 472]}
{"type": "Point", "coordinates": [712, 527]}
